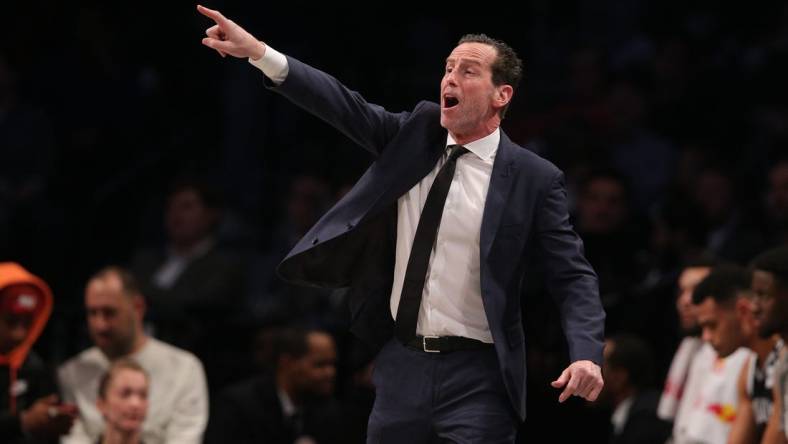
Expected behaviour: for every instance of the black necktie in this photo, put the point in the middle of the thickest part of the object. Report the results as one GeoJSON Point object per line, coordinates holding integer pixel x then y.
{"type": "Point", "coordinates": [427, 231]}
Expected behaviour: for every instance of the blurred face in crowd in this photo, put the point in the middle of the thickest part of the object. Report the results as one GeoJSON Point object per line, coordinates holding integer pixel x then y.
{"type": "Point", "coordinates": [720, 325]}
{"type": "Point", "coordinates": [188, 220]}
{"type": "Point", "coordinates": [470, 102]}
{"type": "Point", "coordinates": [688, 279]}
{"type": "Point", "coordinates": [114, 316]}
{"type": "Point", "coordinates": [714, 195]}
{"type": "Point", "coordinates": [314, 372]}
{"type": "Point", "coordinates": [305, 202]}
{"type": "Point", "coordinates": [125, 401]}
{"type": "Point", "coordinates": [771, 304]}
{"type": "Point", "coordinates": [13, 330]}
{"type": "Point", "coordinates": [17, 308]}
{"type": "Point", "coordinates": [778, 191]}
{"type": "Point", "coordinates": [602, 207]}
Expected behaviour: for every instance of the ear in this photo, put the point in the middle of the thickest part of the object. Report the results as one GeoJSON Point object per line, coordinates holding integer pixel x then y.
{"type": "Point", "coordinates": [743, 307]}
{"type": "Point", "coordinates": [503, 95]}
{"type": "Point", "coordinates": [138, 302]}
{"type": "Point", "coordinates": [285, 361]}
{"type": "Point", "coordinates": [101, 405]}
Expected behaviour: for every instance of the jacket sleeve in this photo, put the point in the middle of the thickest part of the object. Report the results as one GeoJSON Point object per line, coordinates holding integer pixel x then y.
{"type": "Point", "coordinates": [570, 279]}
{"type": "Point", "coordinates": [367, 124]}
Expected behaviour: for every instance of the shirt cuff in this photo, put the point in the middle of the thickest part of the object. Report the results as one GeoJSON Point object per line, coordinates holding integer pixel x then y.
{"type": "Point", "coordinates": [273, 64]}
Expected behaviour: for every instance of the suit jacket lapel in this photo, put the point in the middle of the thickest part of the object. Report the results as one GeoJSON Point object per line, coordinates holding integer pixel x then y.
{"type": "Point", "coordinates": [504, 168]}
{"type": "Point", "coordinates": [415, 167]}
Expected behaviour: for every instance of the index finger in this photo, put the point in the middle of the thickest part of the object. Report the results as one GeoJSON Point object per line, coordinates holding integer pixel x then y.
{"type": "Point", "coordinates": [212, 14]}
{"type": "Point", "coordinates": [569, 390]}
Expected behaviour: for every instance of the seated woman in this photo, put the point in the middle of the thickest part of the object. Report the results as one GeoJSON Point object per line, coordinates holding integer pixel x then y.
{"type": "Point", "coordinates": [123, 402]}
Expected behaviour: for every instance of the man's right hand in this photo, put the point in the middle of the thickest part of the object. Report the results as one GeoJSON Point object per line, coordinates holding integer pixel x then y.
{"type": "Point", "coordinates": [226, 37]}
{"type": "Point", "coordinates": [46, 418]}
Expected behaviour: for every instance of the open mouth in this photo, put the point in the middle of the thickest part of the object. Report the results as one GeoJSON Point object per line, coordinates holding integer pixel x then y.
{"type": "Point", "coordinates": [450, 101]}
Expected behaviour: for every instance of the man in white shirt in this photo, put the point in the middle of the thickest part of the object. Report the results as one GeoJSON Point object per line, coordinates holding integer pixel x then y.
{"type": "Point", "coordinates": [440, 292]}
{"type": "Point", "coordinates": [178, 405]}
{"type": "Point", "coordinates": [675, 383]}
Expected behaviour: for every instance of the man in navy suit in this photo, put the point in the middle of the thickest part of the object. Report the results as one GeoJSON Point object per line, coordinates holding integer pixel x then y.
{"type": "Point", "coordinates": [435, 241]}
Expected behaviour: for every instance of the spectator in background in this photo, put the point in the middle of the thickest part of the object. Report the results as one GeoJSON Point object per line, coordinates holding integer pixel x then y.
{"type": "Point", "coordinates": [194, 288]}
{"type": "Point", "coordinates": [675, 384]}
{"type": "Point", "coordinates": [295, 402]}
{"type": "Point", "coordinates": [676, 244]}
{"type": "Point", "coordinates": [645, 157]}
{"type": "Point", "coordinates": [612, 243]}
{"type": "Point", "coordinates": [725, 315]}
{"type": "Point", "coordinates": [770, 285]}
{"type": "Point", "coordinates": [29, 409]}
{"type": "Point", "coordinates": [179, 401]}
{"type": "Point", "coordinates": [777, 201]}
{"type": "Point", "coordinates": [123, 402]}
{"type": "Point", "coordinates": [731, 234]}
{"type": "Point", "coordinates": [710, 400]}
{"type": "Point", "coordinates": [308, 197]}
{"type": "Point", "coordinates": [27, 145]}
{"type": "Point", "coordinates": [629, 373]}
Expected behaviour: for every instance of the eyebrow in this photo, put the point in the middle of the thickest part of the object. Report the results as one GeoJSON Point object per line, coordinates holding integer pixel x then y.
{"type": "Point", "coordinates": [465, 61]}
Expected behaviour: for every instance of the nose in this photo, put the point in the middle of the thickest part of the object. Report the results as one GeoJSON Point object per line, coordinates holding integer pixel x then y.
{"type": "Point", "coordinates": [99, 324]}
{"type": "Point", "coordinates": [707, 336]}
{"type": "Point", "coordinates": [449, 78]}
{"type": "Point", "coordinates": [18, 334]}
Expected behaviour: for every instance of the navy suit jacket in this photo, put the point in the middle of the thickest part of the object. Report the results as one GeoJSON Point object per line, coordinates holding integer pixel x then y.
{"type": "Point", "coordinates": [525, 219]}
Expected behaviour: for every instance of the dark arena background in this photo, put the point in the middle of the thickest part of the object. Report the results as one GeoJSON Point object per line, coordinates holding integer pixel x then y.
{"type": "Point", "coordinates": [669, 118]}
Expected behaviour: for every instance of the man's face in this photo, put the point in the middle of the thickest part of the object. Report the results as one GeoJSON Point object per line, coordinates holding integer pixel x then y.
{"type": "Point", "coordinates": [467, 90]}
{"type": "Point", "coordinates": [778, 191]}
{"type": "Point", "coordinates": [720, 326]}
{"type": "Point", "coordinates": [771, 306]}
{"type": "Point", "coordinates": [688, 279]}
{"type": "Point", "coordinates": [602, 207]}
{"type": "Point", "coordinates": [188, 220]}
{"type": "Point", "coordinates": [314, 372]}
{"type": "Point", "coordinates": [13, 330]}
{"type": "Point", "coordinates": [112, 318]}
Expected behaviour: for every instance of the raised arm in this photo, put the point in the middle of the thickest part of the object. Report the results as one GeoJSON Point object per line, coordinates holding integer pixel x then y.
{"type": "Point", "coordinates": [369, 125]}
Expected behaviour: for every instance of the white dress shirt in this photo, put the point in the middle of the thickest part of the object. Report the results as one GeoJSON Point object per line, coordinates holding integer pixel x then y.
{"type": "Point", "coordinates": [451, 303]}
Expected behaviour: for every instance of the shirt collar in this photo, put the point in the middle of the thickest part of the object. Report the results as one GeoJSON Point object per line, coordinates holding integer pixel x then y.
{"type": "Point", "coordinates": [484, 148]}
{"type": "Point", "coordinates": [621, 415]}
{"type": "Point", "coordinates": [288, 408]}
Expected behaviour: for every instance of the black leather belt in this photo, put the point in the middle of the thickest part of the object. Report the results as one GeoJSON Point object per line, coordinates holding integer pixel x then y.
{"type": "Point", "coordinates": [445, 344]}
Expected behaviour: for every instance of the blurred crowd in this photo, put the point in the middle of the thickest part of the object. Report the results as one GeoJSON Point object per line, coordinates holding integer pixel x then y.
{"type": "Point", "coordinates": [124, 142]}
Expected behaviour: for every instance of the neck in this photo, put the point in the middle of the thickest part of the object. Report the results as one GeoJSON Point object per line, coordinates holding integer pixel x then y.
{"type": "Point", "coordinates": [139, 342]}
{"type": "Point", "coordinates": [622, 396]}
{"type": "Point", "coordinates": [114, 436]}
{"type": "Point", "coordinates": [762, 347]}
{"type": "Point", "coordinates": [485, 130]}
{"type": "Point", "coordinates": [184, 248]}
{"type": "Point", "coordinates": [286, 386]}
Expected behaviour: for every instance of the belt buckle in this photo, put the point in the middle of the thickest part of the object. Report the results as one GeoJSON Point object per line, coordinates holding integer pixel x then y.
{"type": "Point", "coordinates": [424, 344]}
